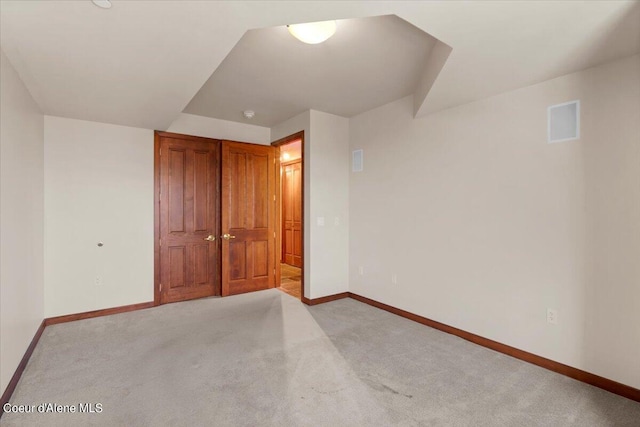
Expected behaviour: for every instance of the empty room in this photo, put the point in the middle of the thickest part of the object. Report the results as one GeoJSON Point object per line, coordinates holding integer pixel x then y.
{"type": "Point", "coordinates": [319, 213]}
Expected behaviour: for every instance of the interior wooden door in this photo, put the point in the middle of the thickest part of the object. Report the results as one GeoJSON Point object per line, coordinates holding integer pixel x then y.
{"type": "Point", "coordinates": [292, 213]}
{"type": "Point", "coordinates": [248, 217]}
{"type": "Point", "coordinates": [188, 217]}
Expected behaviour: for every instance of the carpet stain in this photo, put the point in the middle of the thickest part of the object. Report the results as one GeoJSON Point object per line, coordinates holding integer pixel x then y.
{"type": "Point", "coordinates": [328, 391]}
{"type": "Point", "coordinates": [386, 387]}
{"type": "Point", "coordinates": [377, 385]}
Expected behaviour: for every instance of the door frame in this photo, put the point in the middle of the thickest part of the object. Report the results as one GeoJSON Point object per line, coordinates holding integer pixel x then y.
{"type": "Point", "coordinates": [287, 139]}
{"type": "Point", "coordinates": [156, 207]}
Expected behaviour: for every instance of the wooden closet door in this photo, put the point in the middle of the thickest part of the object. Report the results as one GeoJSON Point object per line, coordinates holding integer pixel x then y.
{"type": "Point", "coordinates": [248, 217]}
{"type": "Point", "coordinates": [188, 217]}
{"type": "Point", "coordinates": [292, 213]}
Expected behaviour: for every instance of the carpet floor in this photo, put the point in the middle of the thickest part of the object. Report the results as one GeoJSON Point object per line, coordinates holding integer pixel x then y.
{"type": "Point", "coordinates": [265, 359]}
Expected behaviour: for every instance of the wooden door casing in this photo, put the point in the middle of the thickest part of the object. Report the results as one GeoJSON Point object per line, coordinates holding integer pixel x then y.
{"type": "Point", "coordinates": [187, 213]}
{"type": "Point", "coordinates": [292, 213]}
{"type": "Point", "coordinates": [298, 136]}
{"type": "Point", "coordinates": [248, 200]}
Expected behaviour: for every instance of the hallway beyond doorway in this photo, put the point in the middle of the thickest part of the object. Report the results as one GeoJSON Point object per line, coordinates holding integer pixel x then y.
{"type": "Point", "coordinates": [291, 278]}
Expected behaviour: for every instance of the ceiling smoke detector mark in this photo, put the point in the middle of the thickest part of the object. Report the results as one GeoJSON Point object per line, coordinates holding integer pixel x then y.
{"type": "Point", "coordinates": [563, 122]}
{"type": "Point", "coordinates": [249, 114]}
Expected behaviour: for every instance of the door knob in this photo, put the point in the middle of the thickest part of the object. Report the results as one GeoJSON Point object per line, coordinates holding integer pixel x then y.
{"type": "Point", "coordinates": [228, 236]}
{"type": "Point", "coordinates": [210, 238]}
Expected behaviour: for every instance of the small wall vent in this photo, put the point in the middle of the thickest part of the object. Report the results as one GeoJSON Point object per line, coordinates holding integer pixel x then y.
{"type": "Point", "coordinates": [357, 161]}
{"type": "Point", "coordinates": [563, 122]}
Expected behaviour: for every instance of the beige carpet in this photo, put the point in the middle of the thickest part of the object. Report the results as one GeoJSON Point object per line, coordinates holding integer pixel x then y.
{"type": "Point", "coordinates": [265, 359]}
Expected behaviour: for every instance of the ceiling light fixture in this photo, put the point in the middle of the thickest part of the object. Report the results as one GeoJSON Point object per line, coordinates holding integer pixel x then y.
{"type": "Point", "coordinates": [286, 156]}
{"type": "Point", "coordinates": [313, 32]}
{"type": "Point", "coordinates": [249, 114]}
{"type": "Point", "coordinates": [105, 4]}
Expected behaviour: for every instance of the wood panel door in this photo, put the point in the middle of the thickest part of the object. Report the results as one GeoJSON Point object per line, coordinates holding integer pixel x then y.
{"type": "Point", "coordinates": [248, 217]}
{"type": "Point", "coordinates": [188, 217]}
{"type": "Point", "coordinates": [292, 213]}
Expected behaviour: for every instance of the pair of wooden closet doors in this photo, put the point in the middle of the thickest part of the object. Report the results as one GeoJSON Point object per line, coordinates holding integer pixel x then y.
{"type": "Point", "coordinates": [215, 217]}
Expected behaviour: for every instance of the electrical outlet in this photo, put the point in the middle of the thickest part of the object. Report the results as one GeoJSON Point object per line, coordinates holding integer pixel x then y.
{"type": "Point", "coordinates": [98, 281]}
{"type": "Point", "coordinates": [336, 221]}
{"type": "Point", "coordinates": [320, 220]}
{"type": "Point", "coordinates": [361, 270]}
{"type": "Point", "coordinates": [394, 279]}
{"type": "Point", "coordinates": [552, 316]}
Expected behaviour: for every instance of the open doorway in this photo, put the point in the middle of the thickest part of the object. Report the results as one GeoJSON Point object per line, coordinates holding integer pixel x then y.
{"type": "Point", "coordinates": [291, 223]}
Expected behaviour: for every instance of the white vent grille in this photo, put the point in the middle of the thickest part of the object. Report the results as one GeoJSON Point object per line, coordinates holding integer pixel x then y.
{"type": "Point", "coordinates": [357, 161]}
{"type": "Point", "coordinates": [563, 122]}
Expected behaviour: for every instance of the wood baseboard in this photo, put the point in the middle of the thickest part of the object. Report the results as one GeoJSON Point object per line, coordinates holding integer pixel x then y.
{"type": "Point", "coordinates": [322, 300]}
{"type": "Point", "coordinates": [577, 374]}
{"type": "Point", "coordinates": [23, 363]}
{"type": "Point", "coordinates": [97, 313]}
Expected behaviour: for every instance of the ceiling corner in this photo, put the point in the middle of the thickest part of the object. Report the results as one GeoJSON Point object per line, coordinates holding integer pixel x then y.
{"type": "Point", "coordinates": [433, 67]}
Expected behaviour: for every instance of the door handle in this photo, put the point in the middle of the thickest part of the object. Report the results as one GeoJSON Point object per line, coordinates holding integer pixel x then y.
{"type": "Point", "coordinates": [210, 238]}
{"type": "Point", "coordinates": [228, 236]}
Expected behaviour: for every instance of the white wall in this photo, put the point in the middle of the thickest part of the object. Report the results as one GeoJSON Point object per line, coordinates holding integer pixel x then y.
{"type": "Point", "coordinates": [330, 163]}
{"type": "Point", "coordinates": [486, 225]}
{"type": "Point", "coordinates": [21, 219]}
{"type": "Point", "coordinates": [326, 193]}
{"type": "Point", "coordinates": [189, 124]}
{"type": "Point", "coordinates": [98, 187]}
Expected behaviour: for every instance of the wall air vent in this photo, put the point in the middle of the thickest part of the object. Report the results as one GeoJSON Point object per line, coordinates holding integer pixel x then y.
{"type": "Point", "coordinates": [563, 122]}
{"type": "Point", "coordinates": [357, 161]}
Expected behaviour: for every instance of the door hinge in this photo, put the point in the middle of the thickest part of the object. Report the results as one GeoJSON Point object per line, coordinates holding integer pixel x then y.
{"type": "Point", "coordinates": [160, 242]}
{"type": "Point", "coordinates": [274, 197]}
{"type": "Point", "coordinates": [274, 271]}
{"type": "Point", "coordinates": [274, 234]}
{"type": "Point", "coordinates": [160, 287]}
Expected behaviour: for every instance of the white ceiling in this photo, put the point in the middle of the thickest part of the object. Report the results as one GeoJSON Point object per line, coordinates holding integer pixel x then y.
{"type": "Point", "coordinates": [367, 63]}
{"type": "Point", "coordinates": [141, 62]}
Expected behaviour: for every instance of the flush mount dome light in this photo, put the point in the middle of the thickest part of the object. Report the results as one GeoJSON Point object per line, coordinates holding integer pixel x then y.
{"type": "Point", "coordinates": [313, 32]}
{"type": "Point", "coordinates": [105, 4]}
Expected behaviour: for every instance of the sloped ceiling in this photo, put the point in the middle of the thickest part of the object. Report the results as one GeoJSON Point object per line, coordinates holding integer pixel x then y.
{"type": "Point", "coordinates": [141, 62]}
{"type": "Point", "coordinates": [367, 63]}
